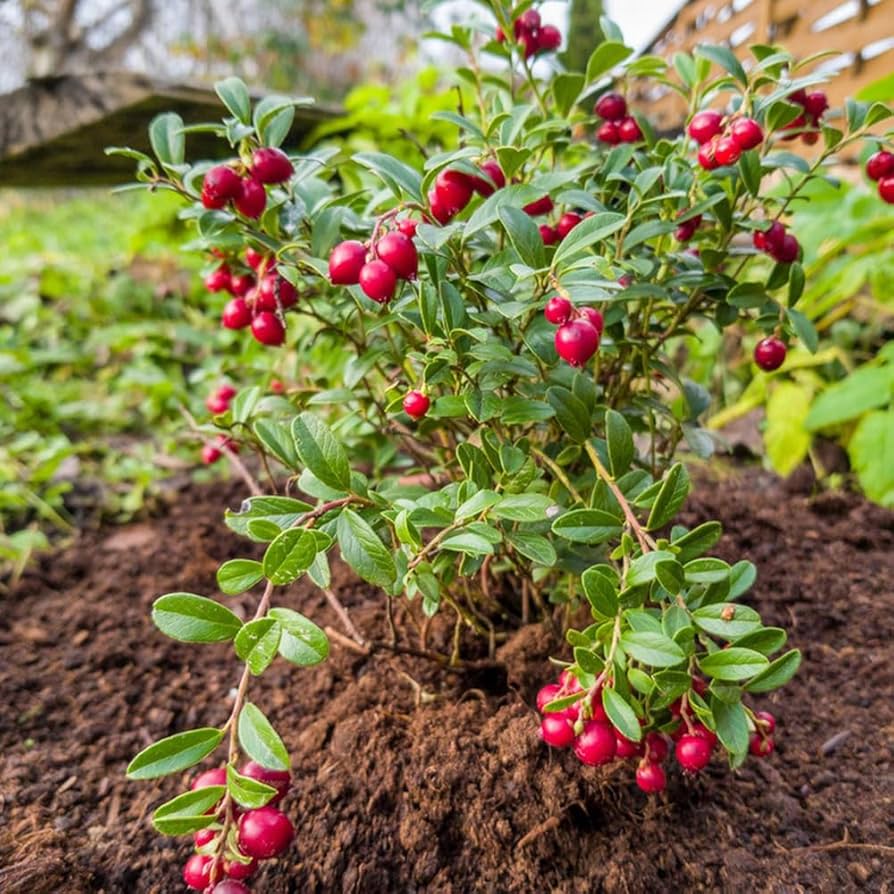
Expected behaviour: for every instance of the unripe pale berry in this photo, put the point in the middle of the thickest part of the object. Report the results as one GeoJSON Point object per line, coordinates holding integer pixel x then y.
{"type": "Point", "coordinates": [220, 184]}
{"type": "Point", "coordinates": [218, 280]}
{"type": "Point", "coordinates": [268, 329]}
{"type": "Point", "coordinates": [886, 189]}
{"type": "Point", "coordinates": [693, 752]}
{"type": "Point", "coordinates": [416, 404]}
{"type": "Point", "coordinates": [609, 133]}
{"type": "Point", "coordinates": [548, 234]}
{"type": "Point", "coordinates": [252, 198]}
{"type": "Point", "coordinates": [399, 253]}
{"type": "Point", "coordinates": [454, 190]}
{"type": "Point", "coordinates": [556, 731]}
{"type": "Point", "coordinates": [611, 107]}
{"type": "Point", "coordinates": [650, 777]}
{"type": "Point", "coordinates": [746, 133]}
{"type": "Point", "coordinates": [705, 125]}
{"type": "Point", "coordinates": [236, 314]}
{"type": "Point", "coordinates": [197, 872]}
{"type": "Point", "coordinates": [727, 151]}
{"type": "Point", "coordinates": [596, 744]}
{"type": "Point", "coordinates": [558, 310]}
{"type": "Point", "coordinates": [270, 165]}
{"type": "Point", "coordinates": [378, 281]}
{"type": "Point", "coordinates": [629, 130]}
{"type": "Point", "coordinates": [539, 206]}
{"type": "Point", "coordinates": [281, 780]}
{"type": "Point", "coordinates": [567, 222]}
{"type": "Point", "coordinates": [264, 833]}
{"type": "Point", "coordinates": [346, 261]}
{"type": "Point", "coordinates": [576, 342]}
{"type": "Point", "coordinates": [594, 318]}
{"type": "Point", "coordinates": [769, 353]}
{"type": "Point", "coordinates": [880, 165]}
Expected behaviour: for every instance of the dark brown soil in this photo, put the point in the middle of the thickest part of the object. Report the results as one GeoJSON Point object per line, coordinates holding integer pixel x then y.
{"type": "Point", "coordinates": [457, 795]}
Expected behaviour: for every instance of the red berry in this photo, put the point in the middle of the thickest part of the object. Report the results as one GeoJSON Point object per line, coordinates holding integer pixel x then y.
{"type": "Point", "coordinates": [693, 752]}
{"type": "Point", "coordinates": [656, 747]}
{"type": "Point", "coordinates": [549, 38]}
{"type": "Point", "coordinates": [216, 404]}
{"type": "Point", "coordinates": [229, 886]}
{"type": "Point", "coordinates": [810, 139]}
{"type": "Point", "coordinates": [799, 97]}
{"type": "Point", "coordinates": [453, 190]}
{"type": "Point", "coordinates": [218, 280]}
{"type": "Point", "coordinates": [886, 189]}
{"type": "Point", "coordinates": [567, 222]}
{"type": "Point", "coordinates": [252, 198]}
{"type": "Point", "coordinates": [378, 281]}
{"type": "Point", "coordinates": [253, 258]}
{"type": "Point", "coordinates": [611, 107]}
{"type": "Point", "coordinates": [880, 165]}
{"type": "Point", "coordinates": [236, 870]}
{"type": "Point", "coordinates": [264, 833]}
{"type": "Point", "coordinates": [761, 746]}
{"type": "Point", "coordinates": [708, 735]}
{"type": "Point", "coordinates": [416, 404]}
{"type": "Point", "coordinates": [399, 253]}
{"type": "Point", "coordinates": [576, 342]}
{"type": "Point", "coordinates": [556, 730]}
{"type": "Point", "coordinates": [217, 776]}
{"type": "Point", "coordinates": [270, 165]}
{"type": "Point", "coordinates": [766, 721]}
{"type": "Point", "coordinates": [346, 261]}
{"type": "Point", "coordinates": [815, 105]}
{"type": "Point", "coordinates": [596, 744]}
{"type": "Point", "coordinates": [201, 837]}
{"type": "Point", "coordinates": [499, 36]}
{"type": "Point", "coordinates": [547, 694]}
{"type": "Point", "coordinates": [705, 125]}
{"type": "Point", "coordinates": [407, 226]}
{"type": "Point", "coordinates": [629, 130]}
{"type": "Point", "coordinates": [220, 184]}
{"type": "Point", "coordinates": [210, 455]}
{"type": "Point", "coordinates": [439, 211]}
{"type": "Point", "coordinates": [197, 872]}
{"type": "Point", "coordinates": [625, 280]}
{"type": "Point", "coordinates": [650, 777]}
{"type": "Point", "coordinates": [268, 329]}
{"type": "Point", "coordinates": [771, 239]}
{"type": "Point", "coordinates": [594, 318]}
{"type": "Point", "coordinates": [787, 250]}
{"type": "Point", "coordinates": [707, 155]}
{"type": "Point", "coordinates": [609, 132]}
{"type": "Point", "coordinates": [548, 234]}
{"type": "Point", "coordinates": [529, 40]}
{"type": "Point", "coordinates": [727, 151]}
{"type": "Point", "coordinates": [276, 386]}
{"type": "Point", "coordinates": [241, 284]}
{"type": "Point", "coordinates": [625, 748]}
{"type": "Point", "coordinates": [539, 206]}
{"type": "Point", "coordinates": [529, 20]}
{"type": "Point", "coordinates": [236, 314]}
{"type": "Point", "coordinates": [485, 186]}
{"type": "Point", "coordinates": [747, 133]}
{"type": "Point", "coordinates": [769, 353]}
{"type": "Point", "coordinates": [281, 780]}
{"type": "Point", "coordinates": [271, 288]}
{"type": "Point", "coordinates": [558, 310]}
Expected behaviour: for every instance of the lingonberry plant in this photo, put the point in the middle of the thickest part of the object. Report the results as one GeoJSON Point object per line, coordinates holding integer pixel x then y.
{"type": "Point", "coordinates": [495, 434]}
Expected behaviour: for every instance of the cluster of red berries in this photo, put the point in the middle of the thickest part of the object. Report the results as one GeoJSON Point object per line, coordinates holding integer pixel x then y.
{"type": "Point", "coordinates": [580, 329]}
{"type": "Point", "coordinates": [532, 34]}
{"type": "Point", "coordinates": [262, 833]}
{"type": "Point", "coordinates": [223, 184]}
{"type": "Point", "coordinates": [566, 223]}
{"type": "Point", "coordinates": [453, 190]}
{"type": "Point", "coordinates": [719, 145]}
{"type": "Point", "coordinates": [687, 229]}
{"type": "Point", "coordinates": [376, 268]}
{"type": "Point", "coordinates": [259, 297]}
{"type": "Point", "coordinates": [777, 243]}
{"type": "Point", "coordinates": [596, 741]}
{"type": "Point", "coordinates": [617, 126]}
{"type": "Point", "coordinates": [219, 402]}
{"type": "Point", "coordinates": [880, 168]}
{"type": "Point", "coordinates": [814, 106]}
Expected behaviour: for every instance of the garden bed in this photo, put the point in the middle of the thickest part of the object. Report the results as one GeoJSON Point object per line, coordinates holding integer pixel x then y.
{"type": "Point", "coordinates": [457, 795]}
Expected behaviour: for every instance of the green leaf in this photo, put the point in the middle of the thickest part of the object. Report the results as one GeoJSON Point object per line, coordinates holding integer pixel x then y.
{"type": "Point", "coordinates": [726, 59]}
{"type": "Point", "coordinates": [767, 640]}
{"type": "Point", "coordinates": [525, 507]}
{"type": "Point", "coordinates": [194, 619]}
{"type": "Point", "coordinates": [301, 642]}
{"type": "Point", "coordinates": [289, 556]}
{"type": "Point", "coordinates": [865, 389]}
{"type": "Point", "coordinates": [259, 740]}
{"type": "Point", "coordinates": [175, 753]}
{"type": "Point", "coordinates": [601, 592]}
{"type": "Point", "coordinates": [621, 715]}
{"type": "Point", "coordinates": [188, 812]}
{"type": "Point", "coordinates": [247, 792]}
{"type": "Point", "coordinates": [643, 569]}
{"type": "Point", "coordinates": [619, 442]}
{"type": "Point", "coordinates": [234, 95]}
{"type": "Point", "coordinates": [245, 403]}
{"type": "Point", "coordinates": [605, 57]}
{"type": "Point", "coordinates": [362, 549]}
{"type": "Point", "coordinates": [468, 542]}
{"type": "Point", "coordinates": [727, 620]}
{"type": "Point", "coordinates": [401, 179]}
{"type": "Point", "coordinates": [706, 571]}
{"type": "Point", "coordinates": [742, 575]}
{"type": "Point", "coordinates": [167, 139]}
{"type": "Point", "coordinates": [786, 438]}
{"type": "Point", "coordinates": [479, 502]}
{"type": "Point", "coordinates": [870, 450]}
{"type": "Point", "coordinates": [257, 643]}
{"type": "Point", "coordinates": [282, 512]}
{"type": "Point", "coordinates": [731, 723]}
{"type": "Point", "coordinates": [653, 649]}
{"type": "Point", "coordinates": [277, 438]}
{"type": "Point", "coordinates": [777, 673]}
{"type": "Point", "coordinates": [670, 575]}
{"type": "Point", "coordinates": [750, 169]}
{"type": "Point", "coordinates": [238, 575]}
{"type": "Point", "coordinates": [671, 496]}
{"type": "Point", "coordinates": [697, 541]}
{"type": "Point", "coordinates": [321, 452]}
{"type": "Point", "coordinates": [524, 235]}
{"type": "Point", "coordinates": [571, 413]}
{"type": "Point", "coordinates": [733, 664]}
{"type": "Point", "coordinates": [533, 546]}
{"type": "Point", "coordinates": [566, 88]}
{"type": "Point", "coordinates": [587, 526]}
{"type": "Point", "coordinates": [803, 326]}
{"type": "Point", "coordinates": [588, 231]}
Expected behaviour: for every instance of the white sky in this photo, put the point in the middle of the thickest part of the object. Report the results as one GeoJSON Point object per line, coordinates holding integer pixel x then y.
{"type": "Point", "coordinates": [640, 20]}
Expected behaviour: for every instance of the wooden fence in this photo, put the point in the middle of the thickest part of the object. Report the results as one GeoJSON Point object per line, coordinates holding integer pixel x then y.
{"type": "Point", "coordinates": [861, 32]}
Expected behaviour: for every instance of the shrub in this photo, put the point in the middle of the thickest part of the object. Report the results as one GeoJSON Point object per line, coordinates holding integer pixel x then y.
{"type": "Point", "coordinates": [467, 451]}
